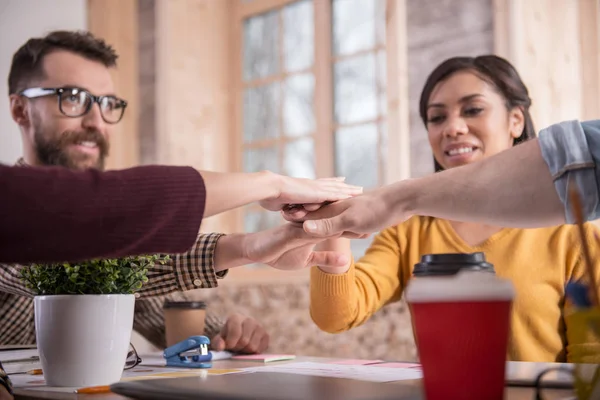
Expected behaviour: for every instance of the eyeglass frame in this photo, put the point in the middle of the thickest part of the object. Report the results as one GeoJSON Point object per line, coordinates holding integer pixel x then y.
{"type": "Point", "coordinates": [37, 92]}
{"type": "Point", "coordinates": [132, 352]}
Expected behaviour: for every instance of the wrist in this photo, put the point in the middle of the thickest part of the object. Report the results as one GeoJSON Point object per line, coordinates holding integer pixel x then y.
{"type": "Point", "coordinates": [338, 245]}
{"type": "Point", "coordinates": [401, 199]}
{"type": "Point", "coordinates": [334, 270]}
{"type": "Point", "coordinates": [269, 183]}
{"type": "Point", "coordinates": [229, 252]}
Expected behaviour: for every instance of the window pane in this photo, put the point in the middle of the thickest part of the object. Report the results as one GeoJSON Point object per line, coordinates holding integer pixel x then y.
{"type": "Point", "coordinates": [298, 36]}
{"type": "Point", "coordinates": [256, 160]}
{"type": "Point", "coordinates": [353, 25]}
{"type": "Point", "coordinates": [298, 111]}
{"type": "Point", "coordinates": [355, 92]}
{"type": "Point", "coordinates": [356, 155]}
{"type": "Point", "coordinates": [299, 158]}
{"type": "Point", "coordinates": [261, 46]}
{"type": "Point", "coordinates": [381, 82]}
{"type": "Point", "coordinates": [261, 112]}
{"type": "Point", "coordinates": [255, 221]}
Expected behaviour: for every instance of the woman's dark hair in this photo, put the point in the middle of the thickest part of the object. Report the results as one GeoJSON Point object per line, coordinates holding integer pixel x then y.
{"type": "Point", "coordinates": [494, 70]}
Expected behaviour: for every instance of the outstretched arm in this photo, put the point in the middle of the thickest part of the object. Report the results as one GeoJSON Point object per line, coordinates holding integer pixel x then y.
{"type": "Point", "coordinates": [523, 187]}
{"type": "Point", "coordinates": [98, 214]}
{"type": "Point", "coordinates": [152, 209]}
{"type": "Point", "coordinates": [226, 191]}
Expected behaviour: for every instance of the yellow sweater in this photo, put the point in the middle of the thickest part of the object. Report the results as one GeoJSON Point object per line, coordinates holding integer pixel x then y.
{"type": "Point", "coordinates": [539, 262]}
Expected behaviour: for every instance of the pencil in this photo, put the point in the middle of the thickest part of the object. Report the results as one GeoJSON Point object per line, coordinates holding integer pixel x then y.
{"type": "Point", "coordinates": [578, 212]}
{"type": "Point", "coordinates": [37, 371]}
{"type": "Point", "coordinates": [93, 390]}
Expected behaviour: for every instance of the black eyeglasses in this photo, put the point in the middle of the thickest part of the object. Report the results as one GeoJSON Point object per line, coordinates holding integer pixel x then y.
{"type": "Point", "coordinates": [132, 358]}
{"type": "Point", "coordinates": [75, 102]}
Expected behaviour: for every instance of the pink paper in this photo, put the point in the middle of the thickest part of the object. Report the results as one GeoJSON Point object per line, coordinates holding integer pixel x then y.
{"type": "Point", "coordinates": [397, 365]}
{"type": "Point", "coordinates": [355, 362]}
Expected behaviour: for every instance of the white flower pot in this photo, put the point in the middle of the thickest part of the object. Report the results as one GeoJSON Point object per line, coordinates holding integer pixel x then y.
{"type": "Point", "coordinates": [83, 339]}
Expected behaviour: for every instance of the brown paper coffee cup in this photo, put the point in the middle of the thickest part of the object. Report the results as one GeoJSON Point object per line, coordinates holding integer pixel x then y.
{"type": "Point", "coordinates": [183, 319]}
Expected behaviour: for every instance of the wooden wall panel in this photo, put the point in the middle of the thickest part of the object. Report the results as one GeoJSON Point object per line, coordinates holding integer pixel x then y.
{"type": "Point", "coordinates": [589, 36]}
{"type": "Point", "coordinates": [147, 81]}
{"type": "Point", "coordinates": [193, 88]}
{"type": "Point", "coordinates": [555, 47]}
{"type": "Point", "coordinates": [398, 155]}
{"type": "Point", "coordinates": [116, 22]}
{"type": "Point", "coordinates": [547, 55]}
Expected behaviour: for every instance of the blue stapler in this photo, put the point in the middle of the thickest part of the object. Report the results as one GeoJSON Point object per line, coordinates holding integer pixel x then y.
{"type": "Point", "coordinates": [189, 353]}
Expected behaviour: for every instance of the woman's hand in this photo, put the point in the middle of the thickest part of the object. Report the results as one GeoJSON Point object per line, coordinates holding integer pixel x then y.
{"type": "Point", "coordinates": [308, 194]}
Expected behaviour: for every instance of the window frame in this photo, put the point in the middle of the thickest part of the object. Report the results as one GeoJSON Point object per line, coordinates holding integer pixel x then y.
{"type": "Point", "coordinates": [397, 165]}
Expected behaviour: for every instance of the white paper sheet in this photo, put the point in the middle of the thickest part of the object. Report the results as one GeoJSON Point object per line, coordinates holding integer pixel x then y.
{"type": "Point", "coordinates": [10, 355]}
{"type": "Point", "coordinates": [19, 360]}
{"type": "Point", "coordinates": [152, 367]}
{"type": "Point", "coordinates": [357, 372]}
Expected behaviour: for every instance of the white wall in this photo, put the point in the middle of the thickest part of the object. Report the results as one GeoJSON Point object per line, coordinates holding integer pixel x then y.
{"type": "Point", "coordinates": [19, 21]}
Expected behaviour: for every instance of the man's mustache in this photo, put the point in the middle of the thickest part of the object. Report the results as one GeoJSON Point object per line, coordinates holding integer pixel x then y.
{"type": "Point", "coordinates": [75, 137]}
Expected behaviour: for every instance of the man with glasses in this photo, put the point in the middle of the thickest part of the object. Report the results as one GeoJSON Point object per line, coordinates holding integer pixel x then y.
{"type": "Point", "coordinates": [62, 97]}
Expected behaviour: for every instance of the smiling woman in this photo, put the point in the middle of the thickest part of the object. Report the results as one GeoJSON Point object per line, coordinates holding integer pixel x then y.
{"type": "Point", "coordinates": [481, 95]}
{"type": "Point", "coordinates": [473, 108]}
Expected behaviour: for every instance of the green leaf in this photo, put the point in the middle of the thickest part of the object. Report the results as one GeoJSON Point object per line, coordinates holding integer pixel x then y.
{"type": "Point", "coordinates": [102, 276]}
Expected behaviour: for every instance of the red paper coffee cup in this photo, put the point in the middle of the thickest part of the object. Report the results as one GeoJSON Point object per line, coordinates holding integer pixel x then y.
{"type": "Point", "coordinates": [461, 326]}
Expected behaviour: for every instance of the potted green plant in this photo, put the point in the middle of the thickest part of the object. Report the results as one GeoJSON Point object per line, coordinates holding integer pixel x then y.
{"type": "Point", "coordinates": [84, 316]}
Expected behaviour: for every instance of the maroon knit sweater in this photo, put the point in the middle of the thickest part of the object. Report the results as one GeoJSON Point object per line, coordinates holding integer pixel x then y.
{"type": "Point", "coordinates": [54, 214]}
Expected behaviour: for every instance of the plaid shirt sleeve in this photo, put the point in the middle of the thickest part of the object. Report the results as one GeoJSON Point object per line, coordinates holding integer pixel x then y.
{"type": "Point", "coordinates": [149, 319]}
{"type": "Point", "coordinates": [11, 282]}
{"type": "Point", "coordinates": [191, 270]}
{"type": "Point", "coordinates": [16, 307]}
{"type": "Point", "coordinates": [194, 269]}
{"type": "Point", "coordinates": [18, 324]}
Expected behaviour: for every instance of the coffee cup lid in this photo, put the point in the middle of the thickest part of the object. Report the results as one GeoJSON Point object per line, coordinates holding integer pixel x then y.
{"type": "Point", "coordinates": [450, 263]}
{"type": "Point", "coordinates": [464, 286]}
{"type": "Point", "coordinates": [185, 304]}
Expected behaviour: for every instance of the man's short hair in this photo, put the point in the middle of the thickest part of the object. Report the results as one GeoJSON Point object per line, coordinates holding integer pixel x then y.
{"type": "Point", "coordinates": [26, 66]}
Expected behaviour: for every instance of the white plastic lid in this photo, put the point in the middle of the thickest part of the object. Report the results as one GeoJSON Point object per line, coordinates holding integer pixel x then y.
{"type": "Point", "coordinates": [464, 286]}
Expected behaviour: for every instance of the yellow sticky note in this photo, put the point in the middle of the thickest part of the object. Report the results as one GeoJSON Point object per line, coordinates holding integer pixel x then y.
{"type": "Point", "coordinates": [223, 371]}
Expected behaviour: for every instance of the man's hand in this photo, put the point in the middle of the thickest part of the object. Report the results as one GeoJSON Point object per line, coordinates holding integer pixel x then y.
{"type": "Point", "coordinates": [300, 191]}
{"type": "Point", "coordinates": [352, 218]}
{"type": "Point", "coordinates": [241, 334]}
{"type": "Point", "coordinates": [288, 247]}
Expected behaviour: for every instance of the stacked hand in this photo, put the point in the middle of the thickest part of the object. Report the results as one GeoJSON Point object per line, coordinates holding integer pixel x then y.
{"type": "Point", "coordinates": [307, 194]}
{"type": "Point", "coordinates": [353, 218]}
{"type": "Point", "coordinates": [288, 247]}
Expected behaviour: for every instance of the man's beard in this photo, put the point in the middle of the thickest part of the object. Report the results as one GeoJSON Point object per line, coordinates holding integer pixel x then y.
{"type": "Point", "coordinates": [53, 149]}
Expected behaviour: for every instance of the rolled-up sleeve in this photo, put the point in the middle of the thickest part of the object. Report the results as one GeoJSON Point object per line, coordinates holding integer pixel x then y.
{"type": "Point", "coordinates": [571, 149]}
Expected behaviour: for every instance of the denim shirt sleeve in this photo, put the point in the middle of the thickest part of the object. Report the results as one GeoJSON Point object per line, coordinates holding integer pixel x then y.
{"type": "Point", "coordinates": [571, 150]}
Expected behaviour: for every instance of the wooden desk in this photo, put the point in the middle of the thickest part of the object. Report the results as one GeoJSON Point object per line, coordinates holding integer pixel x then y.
{"type": "Point", "coordinates": [512, 393]}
